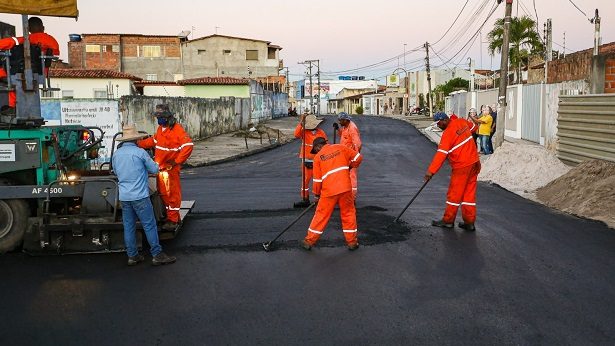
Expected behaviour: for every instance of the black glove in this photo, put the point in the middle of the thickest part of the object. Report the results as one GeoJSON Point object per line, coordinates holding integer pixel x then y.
{"type": "Point", "coordinates": [336, 126]}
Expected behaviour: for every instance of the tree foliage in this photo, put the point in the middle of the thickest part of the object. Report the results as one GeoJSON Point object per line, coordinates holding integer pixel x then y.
{"type": "Point", "coordinates": [524, 41]}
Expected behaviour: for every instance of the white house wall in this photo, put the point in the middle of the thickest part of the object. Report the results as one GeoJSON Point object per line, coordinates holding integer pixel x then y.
{"type": "Point", "coordinates": [83, 88]}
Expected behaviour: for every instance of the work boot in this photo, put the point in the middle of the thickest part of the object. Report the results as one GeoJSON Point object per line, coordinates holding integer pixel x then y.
{"type": "Point", "coordinates": [169, 226]}
{"type": "Point", "coordinates": [133, 261]}
{"type": "Point", "coordinates": [467, 226]}
{"type": "Point", "coordinates": [440, 223]}
{"type": "Point", "coordinates": [163, 258]}
{"type": "Point", "coordinates": [353, 246]}
{"type": "Point", "coordinates": [305, 245]}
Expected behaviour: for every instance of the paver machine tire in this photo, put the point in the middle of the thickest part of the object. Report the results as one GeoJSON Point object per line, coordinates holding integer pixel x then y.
{"type": "Point", "coordinates": [14, 215]}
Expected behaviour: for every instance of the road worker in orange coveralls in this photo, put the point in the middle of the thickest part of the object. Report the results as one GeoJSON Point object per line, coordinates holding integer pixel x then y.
{"type": "Point", "coordinates": [458, 146]}
{"type": "Point", "coordinates": [350, 137]}
{"type": "Point", "coordinates": [332, 186]}
{"type": "Point", "coordinates": [38, 37]}
{"type": "Point", "coordinates": [173, 147]}
{"type": "Point", "coordinates": [307, 136]}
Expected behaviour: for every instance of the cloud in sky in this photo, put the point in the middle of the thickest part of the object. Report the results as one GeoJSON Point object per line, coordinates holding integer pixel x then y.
{"type": "Point", "coordinates": [343, 34]}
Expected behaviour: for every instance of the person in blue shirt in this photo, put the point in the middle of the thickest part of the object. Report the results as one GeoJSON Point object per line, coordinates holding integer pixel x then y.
{"type": "Point", "coordinates": [132, 165]}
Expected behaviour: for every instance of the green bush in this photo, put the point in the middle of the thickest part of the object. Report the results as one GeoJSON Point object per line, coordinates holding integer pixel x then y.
{"type": "Point", "coordinates": [359, 110]}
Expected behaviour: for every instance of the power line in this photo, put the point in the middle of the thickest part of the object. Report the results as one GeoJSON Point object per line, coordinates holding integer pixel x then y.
{"type": "Point", "coordinates": [455, 21]}
{"type": "Point", "coordinates": [580, 10]}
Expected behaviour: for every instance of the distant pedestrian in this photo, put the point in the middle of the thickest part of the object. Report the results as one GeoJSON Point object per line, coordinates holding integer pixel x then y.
{"type": "Point", "coordinates": [132, 164]}
{"type": "Point", "coordinates": [484, 123]}
{"type": "Point", "coordinates": [494, 115]}
{"type": "Point", "coordinates": [457, 146]}
{"type": "Point", "coordinates": [474, 128]}
{"type": "Point", "coordinates": [332, 163]}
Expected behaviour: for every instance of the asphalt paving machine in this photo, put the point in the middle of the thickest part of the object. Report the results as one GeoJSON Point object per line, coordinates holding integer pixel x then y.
{"type": "Point", "coordinates": [52, 197]}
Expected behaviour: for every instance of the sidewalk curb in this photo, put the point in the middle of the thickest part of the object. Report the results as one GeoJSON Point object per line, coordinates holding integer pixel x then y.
{"type": "Point", "coordinates": [235, 157]}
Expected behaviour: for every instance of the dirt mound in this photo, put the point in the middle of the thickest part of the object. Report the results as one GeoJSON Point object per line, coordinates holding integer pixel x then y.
{"type": "Point", "coordinates": [587, 190]}
{"type": "Point", "coordinates": [521, 168]}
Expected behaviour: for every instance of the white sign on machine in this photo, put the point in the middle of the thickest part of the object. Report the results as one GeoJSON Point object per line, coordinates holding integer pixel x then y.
{"type": "Point", "coordinates": [7, 152]}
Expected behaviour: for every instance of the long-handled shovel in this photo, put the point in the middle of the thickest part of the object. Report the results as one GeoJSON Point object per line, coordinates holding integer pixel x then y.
{"type": "Point", "coordinates": [268, 245]}
{"type": "Point", "coordinates": [412, 200]}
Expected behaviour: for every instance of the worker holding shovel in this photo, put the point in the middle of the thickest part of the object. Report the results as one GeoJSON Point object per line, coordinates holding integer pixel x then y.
{"type": "Point", "coordinates": [307, 130]}
{"type": "Point", "coordinates": [332, 186]}
{"type": "Point", "coordinates": [457, 145]}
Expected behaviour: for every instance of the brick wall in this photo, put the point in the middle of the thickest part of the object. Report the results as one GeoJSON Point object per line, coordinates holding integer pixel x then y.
{"type": "Point", "coordinates": [576, 66]}
{"type": "Point", "coordinates": [114, 47]}
{"type": "Point", "coordinates": [609, 77]}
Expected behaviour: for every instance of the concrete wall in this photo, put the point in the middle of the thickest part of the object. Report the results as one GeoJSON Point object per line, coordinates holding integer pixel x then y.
{"type": "Point", "coordinates": [83, 88]}
{"type": "Point", "coordinates": [201, 118]}
{"type": "Point", "coordinates": [164, 90]}
{"type": "Point", "coordinates": [205, 58]}
{"type": "Point", "coordinates": [216, 91]}
{"type": "Point", "coordinates": [267, 104]}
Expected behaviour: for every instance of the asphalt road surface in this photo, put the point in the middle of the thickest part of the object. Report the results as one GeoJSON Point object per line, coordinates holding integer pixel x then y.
{"type": "Point", "coordinates": [529, 275]}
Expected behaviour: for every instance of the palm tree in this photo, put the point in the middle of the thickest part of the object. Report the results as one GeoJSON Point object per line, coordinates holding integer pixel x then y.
{"type": "Point", "coordinates": [524, 41]}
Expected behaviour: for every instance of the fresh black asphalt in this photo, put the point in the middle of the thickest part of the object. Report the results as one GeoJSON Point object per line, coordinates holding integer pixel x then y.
{"type": "Point", "coordinates": [529, 275]}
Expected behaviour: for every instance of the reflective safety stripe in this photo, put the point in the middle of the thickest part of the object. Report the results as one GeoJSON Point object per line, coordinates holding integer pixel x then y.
{"type": "Point", "coordinates": [356, 157]}
{"type": "Point", "coordinates": [451, 203]}
{"type": "Point", "coordinates": [443, 151]}
{"type": "Point", "coordinates": [317, 180]}
{"type": "Point", "coordinates": [308, 160]}
{"type": "Point", "coordinates": [174, 149]}
{"type": "Point", "coordinates": [333, 171]}
{"type": "Point", "coordinates": [314, 231]}
{"type": "Point", "coordinates": [350, 231]}
{"type": "Point", "coordinates": [460, 144]}
{"type": "Point", "coordinates": [354, 188]}
{"type": "Point", "coordinates": [16, 41]}
{"type": "Point", "coordinates": [468, 203]}
{"type": "Point", "coordinates": [169, 208]}
{"type": "Point", "coordinates": [473, 126]}
{"type": "Point", "coordinates": [155, 141]}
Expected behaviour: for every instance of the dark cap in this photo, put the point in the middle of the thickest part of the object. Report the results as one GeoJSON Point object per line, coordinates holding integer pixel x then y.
{"type": "Point", "coordinates": [317, 141]}
{"type": "Point", "coordinates": [162, 110]}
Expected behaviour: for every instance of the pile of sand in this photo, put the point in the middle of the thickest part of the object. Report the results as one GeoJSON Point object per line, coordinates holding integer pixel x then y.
{"type": "Point", "coordinates": [587, 190]}
{"type": "Point", "coordinates": [521, 168]}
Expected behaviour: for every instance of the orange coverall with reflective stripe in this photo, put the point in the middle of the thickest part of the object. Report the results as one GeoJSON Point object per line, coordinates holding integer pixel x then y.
{"type": "Point", "coordinates": [310, 135]}
{"type": "Point", "coordinates": [332, 182]}
{"type": "Point", "coordinates": [44, 40]}
{"type": "Point", "coordinates": [170, 144]}
{"type": "Point", "coordinates": [350, 137]}
{"type": "Point", "coordinates": [458, 146]}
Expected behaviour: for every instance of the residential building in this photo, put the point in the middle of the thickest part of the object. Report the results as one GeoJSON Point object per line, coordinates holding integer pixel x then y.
{"type": "Point", "coordinates": [228, 56]}
{"type": "Point", "coordinates": [150, 57]}
{"type": "Point", "coordinates": [89, 84]}
{"type": "Point", "coordinates": [329, 88]}
{"type": "Point", "coordinates": [347, 100]}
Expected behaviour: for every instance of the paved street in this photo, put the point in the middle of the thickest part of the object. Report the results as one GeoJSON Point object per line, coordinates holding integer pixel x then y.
{"type": "Point", "coordinates": [529, 275]}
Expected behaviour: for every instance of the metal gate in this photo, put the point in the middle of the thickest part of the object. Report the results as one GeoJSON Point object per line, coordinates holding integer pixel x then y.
{"type": "Point", "coordinates": [530, 112]}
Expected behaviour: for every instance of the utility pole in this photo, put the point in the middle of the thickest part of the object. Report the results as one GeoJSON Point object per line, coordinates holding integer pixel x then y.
{"type": "Point", "coordinates": [548, 46]}
{"type": "Point", "coordinates": [309, 64]}
{"type": "Point", "coordinates": [429, 100]}
{"type": "Point", "coordinates": [596, 21]}
{"type": "Point", "coordinates": [564, 45]}
{"type": "Point", "coordinates": [501, 119]}
{"type": "Point", "coordinates": [318, 65]}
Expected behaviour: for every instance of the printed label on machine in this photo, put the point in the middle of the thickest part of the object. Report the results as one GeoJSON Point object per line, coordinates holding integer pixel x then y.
{"type": "Point", "coordinates": [7, 152]}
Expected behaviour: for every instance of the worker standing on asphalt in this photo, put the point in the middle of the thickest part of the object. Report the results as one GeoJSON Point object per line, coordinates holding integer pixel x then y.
{"type": "Point", "coordinates": [173, 147]}
{"type": "Point", "coordinates": [307, 136]}
{"type": "Point", "coordinates": [332, 187]}
{"type": "Point", "coordinates": [132, 164]}
{"type": "Point", "coordinates": [350, 137]}
{"type": "Point", "coordinates": [47, 43]}
{"type": "Point", "coordinates": [457, 145]}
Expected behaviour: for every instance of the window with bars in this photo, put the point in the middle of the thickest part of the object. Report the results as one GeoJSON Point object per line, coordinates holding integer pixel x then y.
{"type": "Point", "coordinates": [151, 76]}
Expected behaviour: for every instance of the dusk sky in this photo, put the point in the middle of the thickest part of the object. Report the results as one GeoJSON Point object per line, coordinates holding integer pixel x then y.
{"type": "Point", "coordinates": [343, 34]}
